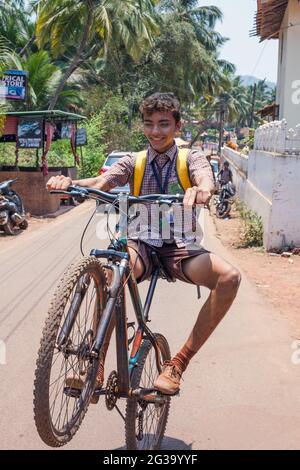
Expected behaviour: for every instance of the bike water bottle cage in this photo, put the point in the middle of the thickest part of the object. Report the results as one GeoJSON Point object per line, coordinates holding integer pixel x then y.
{"type": "Point", "coordinates": [181, 168]}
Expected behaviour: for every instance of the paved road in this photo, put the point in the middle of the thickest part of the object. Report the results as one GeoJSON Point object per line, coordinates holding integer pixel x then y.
{"type": "Point", "coordinates": [241, 391]}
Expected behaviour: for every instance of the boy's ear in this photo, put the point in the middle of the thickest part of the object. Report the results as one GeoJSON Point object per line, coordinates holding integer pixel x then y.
{"type": "Point", "coordinates": [178, 126]}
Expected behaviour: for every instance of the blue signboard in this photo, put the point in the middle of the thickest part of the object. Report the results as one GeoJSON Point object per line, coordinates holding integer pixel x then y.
{"type": "Point", "coordinates": [13, 85]}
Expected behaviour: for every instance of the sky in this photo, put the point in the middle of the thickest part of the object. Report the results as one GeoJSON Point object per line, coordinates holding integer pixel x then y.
{"type": "Point", "coordinates": [248, 55]}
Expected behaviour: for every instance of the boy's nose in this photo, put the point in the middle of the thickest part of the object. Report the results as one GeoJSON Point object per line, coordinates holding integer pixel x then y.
{"type": "Point", "coordinates": [155, 130]}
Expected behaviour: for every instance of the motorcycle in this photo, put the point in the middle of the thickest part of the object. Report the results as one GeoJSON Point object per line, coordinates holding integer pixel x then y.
{"type": "Point", "coordinates": [224, 199]}
{"type": "Point", "coordinates": [12, 213]}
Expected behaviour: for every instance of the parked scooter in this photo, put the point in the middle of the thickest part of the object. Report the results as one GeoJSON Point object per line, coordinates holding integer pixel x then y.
{"type": "Point", "coordinates": [224, 199]}
{"type": "Point", "coordinates": [12, 214]}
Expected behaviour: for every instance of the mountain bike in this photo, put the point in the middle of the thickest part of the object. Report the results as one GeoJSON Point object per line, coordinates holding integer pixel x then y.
{"type": "Point", "coordinates": [81, 312]}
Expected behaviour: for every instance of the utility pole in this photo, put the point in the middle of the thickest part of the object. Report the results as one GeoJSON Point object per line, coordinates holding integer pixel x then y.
{"type": "Point", "coordinates": [253, 105]}
{"type": "Point", "coordinates": [221, 124]}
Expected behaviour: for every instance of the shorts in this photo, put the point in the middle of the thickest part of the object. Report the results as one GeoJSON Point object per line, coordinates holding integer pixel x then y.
{"type": "Point", "coordinates": [170, 256]}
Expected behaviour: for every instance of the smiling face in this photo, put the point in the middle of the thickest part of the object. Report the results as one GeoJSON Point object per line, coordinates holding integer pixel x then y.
{"type": "Point", "coordinates": [160, 129]}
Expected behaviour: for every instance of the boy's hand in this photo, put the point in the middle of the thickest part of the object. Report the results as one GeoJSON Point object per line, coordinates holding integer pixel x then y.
{"type": "Point", "coordinates": [197, 195]}
{"type": "Point", "coordinates": [59, 182]}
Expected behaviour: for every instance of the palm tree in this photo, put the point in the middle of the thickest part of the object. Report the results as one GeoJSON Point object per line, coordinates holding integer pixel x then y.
{"type": "Point", "coordinates": [16, 25]}
{"type": "Point", "coordinates": [95, 23]}
{"type": "Point", "coordinates": [233, 97]}
{"type": "Point", "coordinates": [202, 18]}
{"type": "Point", "coordinates": [43, 79]}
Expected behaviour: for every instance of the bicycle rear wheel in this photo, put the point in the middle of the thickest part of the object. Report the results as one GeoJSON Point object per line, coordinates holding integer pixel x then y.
{"type": "Point", "coordinates": [145, 423]}
{"type": "Point", "coordinates": [58, 410]}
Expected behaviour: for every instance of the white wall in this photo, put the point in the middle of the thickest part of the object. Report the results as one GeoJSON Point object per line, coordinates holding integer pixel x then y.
{"type": "Point", "coordinates": [284, 225]}
{"type": "Point", "coordinates": [288, 81]}
{"type": "Point", "coordinates": [272, 189]}
{"type": "Point", "coordinates": [239, 167]}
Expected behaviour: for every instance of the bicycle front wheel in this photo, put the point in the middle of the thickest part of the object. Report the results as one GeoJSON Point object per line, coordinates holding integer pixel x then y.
{"type": "Point", "coordinates": [145, 423]}
{"type": "Point", "coordinates": [78, 303]}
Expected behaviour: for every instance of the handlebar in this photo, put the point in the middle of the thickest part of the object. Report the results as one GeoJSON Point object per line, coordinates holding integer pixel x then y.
{"type": "Point", "coordinates": [79, 191]}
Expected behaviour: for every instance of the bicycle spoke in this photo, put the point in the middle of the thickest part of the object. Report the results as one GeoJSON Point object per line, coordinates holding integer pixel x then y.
{"type": "Point", "coordinates": [60, 409]}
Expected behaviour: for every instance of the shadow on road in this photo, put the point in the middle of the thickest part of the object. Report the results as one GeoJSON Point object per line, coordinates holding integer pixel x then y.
{"type": "Point", "coordinates": [169, 443]}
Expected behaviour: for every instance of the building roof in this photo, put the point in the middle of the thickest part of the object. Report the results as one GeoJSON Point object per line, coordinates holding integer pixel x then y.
{"type": "Point", "coordinates": [56, 114]}
{"type": "Point", "coordinates": [269, 110]}
{"type": "Point", "coordinates": [268, 18]}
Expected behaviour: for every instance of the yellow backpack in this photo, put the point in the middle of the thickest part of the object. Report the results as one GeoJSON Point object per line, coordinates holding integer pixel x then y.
{"type": "Point", "coordinates": [181, 167]}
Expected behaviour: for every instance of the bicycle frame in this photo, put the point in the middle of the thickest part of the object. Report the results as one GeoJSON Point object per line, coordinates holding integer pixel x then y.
{"type": "Point", "coordinates": [116, 303]}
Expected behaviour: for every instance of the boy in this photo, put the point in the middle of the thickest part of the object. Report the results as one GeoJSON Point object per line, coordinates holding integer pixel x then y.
{"type": "Point", "coordinates": [179, 254]}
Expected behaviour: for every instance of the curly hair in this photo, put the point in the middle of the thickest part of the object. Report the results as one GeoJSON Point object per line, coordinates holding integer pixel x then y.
{"type": "Point", "coordinates": [161, 102]}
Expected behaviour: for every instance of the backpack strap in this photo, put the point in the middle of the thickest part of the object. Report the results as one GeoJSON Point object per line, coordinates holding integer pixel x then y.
{"type": "Point", "coordinates": [139, 170]}
{"type": "Point", "coordinates": [182, 168]}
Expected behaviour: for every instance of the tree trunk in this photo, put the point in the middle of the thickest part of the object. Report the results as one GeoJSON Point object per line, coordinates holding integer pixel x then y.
{"type": "Point", "coordinates": [194, 140]}
{"type": "Point", "coordinates": [76, 60]}
{"type": "Point", "coordinates": [28, 44]}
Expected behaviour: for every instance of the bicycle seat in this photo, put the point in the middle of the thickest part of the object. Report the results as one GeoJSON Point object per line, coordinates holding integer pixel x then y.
{"type": "Point", "coordinates": [157, 264]}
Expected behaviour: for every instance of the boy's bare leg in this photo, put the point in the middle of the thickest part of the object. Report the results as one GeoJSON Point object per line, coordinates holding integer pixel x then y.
{"type": "Point", "coordinates": [223, 281]}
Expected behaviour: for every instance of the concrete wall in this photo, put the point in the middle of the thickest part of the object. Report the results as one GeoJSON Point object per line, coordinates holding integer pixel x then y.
{"type": "Point", "coordinates": [32, 188]}
{"type": "Point", "coordinates": [239, 167]}
{"type": "Point", "coordinates": [288, 80]}
{"type": "Point", "coordinates": [284, 226]}
{"type": "Point", "coordinates": [274, 192]}
{"type": "Point", "coordinates": [269, 183]}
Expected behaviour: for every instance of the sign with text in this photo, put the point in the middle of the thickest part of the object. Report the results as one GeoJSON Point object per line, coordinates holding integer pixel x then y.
{"type": "Point", "coordinates": [81, 137]}
{"type": "Point", "coordinates": [13, 85]}
{"type": "Point", "coordinates": [30, 133]}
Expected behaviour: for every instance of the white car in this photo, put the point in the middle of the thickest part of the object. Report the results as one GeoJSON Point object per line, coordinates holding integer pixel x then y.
{"type": "Point", "coordinates": [110, 160]}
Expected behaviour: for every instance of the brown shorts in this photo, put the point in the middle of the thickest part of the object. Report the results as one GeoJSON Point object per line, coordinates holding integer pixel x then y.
{"type": "Point", "coordinates": [170, 256]}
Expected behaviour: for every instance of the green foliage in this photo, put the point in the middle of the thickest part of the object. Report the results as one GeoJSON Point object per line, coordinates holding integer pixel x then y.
{"type": "Point", "coordinates": [116, 132]}
{"type": "Point", "coordinates": [7, 154]}
{"type": "Point", "coordinates": [103, 66]}
{"type": "Point", "coordinates": [253, 230]}
{"type": "Point", "coordinates": [94, 153]}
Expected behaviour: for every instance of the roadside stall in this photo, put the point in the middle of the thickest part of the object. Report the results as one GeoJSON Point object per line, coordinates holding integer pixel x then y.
{"type": "Point", "coordinates": [37, 130]}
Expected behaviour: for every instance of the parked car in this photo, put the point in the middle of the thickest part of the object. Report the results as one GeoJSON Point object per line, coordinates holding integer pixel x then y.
{"type": "Point", "coordinates": [110, 160]}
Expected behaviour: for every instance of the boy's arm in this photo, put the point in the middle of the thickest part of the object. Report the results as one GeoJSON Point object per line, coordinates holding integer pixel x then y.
{"type": "Point", "coordinates": [63, 183]}
{"type": "Point", "coordinates": [202, 179]}
{"type": "Point", "coordinates": [118, 175]}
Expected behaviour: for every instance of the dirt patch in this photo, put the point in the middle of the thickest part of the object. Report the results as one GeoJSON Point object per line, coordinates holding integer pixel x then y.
{"type": "Point", "coordinates": [277, 277]}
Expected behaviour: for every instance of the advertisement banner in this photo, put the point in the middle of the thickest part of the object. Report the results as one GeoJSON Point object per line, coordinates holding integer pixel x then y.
{"type": "Point", "coordinates": [30, 133]}
{"type": "Point", "coordinates": [65, 132]}
{"type": "Point", "coordinates": [13, 85]}
{"type": "Point", "coordinates": [81, 137]}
